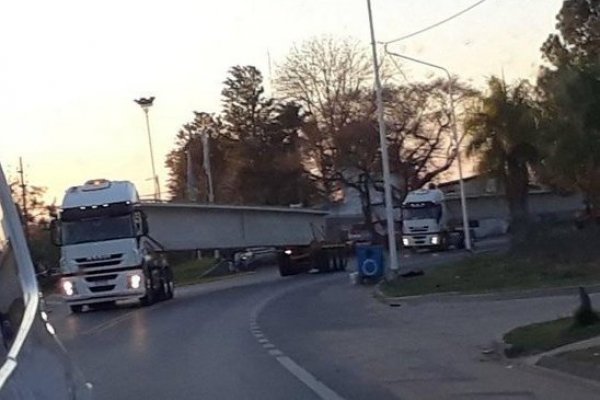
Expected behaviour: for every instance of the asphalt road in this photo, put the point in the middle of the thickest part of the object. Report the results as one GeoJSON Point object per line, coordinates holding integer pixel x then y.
{"type": "Point", "coordinates": [260, 336]}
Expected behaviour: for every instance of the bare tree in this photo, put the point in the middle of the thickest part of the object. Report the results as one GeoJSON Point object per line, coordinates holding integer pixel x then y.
{"type": "Point", "coordinates": [419, 137]}
{"type": "Point", "coordinates": [327, 77]}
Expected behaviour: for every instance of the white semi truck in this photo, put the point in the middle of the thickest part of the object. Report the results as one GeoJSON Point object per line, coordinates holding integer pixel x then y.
{"type": "Point", "coordinates": [428, 223]}
{"type": "Point", "coordinates": [106, 253]}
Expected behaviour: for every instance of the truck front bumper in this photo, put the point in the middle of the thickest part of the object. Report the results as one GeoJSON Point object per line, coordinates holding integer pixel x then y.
{"type": "Point", "coordinates": [97, 288]}
{"type": "Point", "coordinates": [422, 240]}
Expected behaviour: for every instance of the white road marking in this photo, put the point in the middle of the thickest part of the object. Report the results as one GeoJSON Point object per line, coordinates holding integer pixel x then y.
{"type": "Point", "coordinates": [305, 377]}
{"type": "Point", "coordinates": [108, 324]}
{"type": "Point", "coordinates": [318, 387]}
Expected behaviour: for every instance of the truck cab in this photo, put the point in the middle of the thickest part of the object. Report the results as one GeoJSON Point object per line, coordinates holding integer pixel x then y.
{"type": "Point", "coordinates": [106, 253]}
{"type": "Point", "coordinates": [426, 221]}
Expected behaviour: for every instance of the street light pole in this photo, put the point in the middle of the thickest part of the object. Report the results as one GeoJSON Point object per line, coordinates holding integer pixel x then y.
{"type": "Point", "coordinates": [146, 103]}
{"type": "Point", "coordinates": [387, 184]}
{"type": "Point", "coordinates": [463, 197]}
{"type": "Point", "coordinates": [206, 164]}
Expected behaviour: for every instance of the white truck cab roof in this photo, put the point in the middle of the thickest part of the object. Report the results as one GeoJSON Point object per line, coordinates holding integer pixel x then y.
{"type": "Point", "coordinates": [435, 196]}
{"type": "Point", "coordinates": [98, 192]}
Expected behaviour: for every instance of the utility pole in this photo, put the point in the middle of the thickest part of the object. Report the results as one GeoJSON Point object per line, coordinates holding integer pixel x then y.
{"type": "Point", "coordinates": [206, 164]}
{"type": "Point", "coordinates": [387, 181]}
{"type": "Point", "coordinates": [23, 199]}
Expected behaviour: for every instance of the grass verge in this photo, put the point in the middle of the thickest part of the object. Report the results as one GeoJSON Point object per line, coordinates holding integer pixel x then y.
{"type": "Point", "coordinates": [544, 336]}
{"type": "Point", "coordinates": [543, 258]}
{"type": "Point", "coordinates": [190, 272]}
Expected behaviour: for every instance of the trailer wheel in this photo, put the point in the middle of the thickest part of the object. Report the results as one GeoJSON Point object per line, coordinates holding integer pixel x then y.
{"type": "Point", "coordinates": [285, 266]}
{"type": "Point", "coordinates": [76, 309]}
{"type": "Point", "coordinates": [343, 260]}
{"type": "Point", "coordinates": [338, 261]}
{"type": "Point", "coordinates": [323, 261]}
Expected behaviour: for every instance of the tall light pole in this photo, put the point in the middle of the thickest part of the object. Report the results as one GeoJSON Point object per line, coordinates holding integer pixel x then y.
{"type": "Point", "coordinates": [387, 184]}
{"type": "Point", "coordinates": [146, 103]}
{"type": "Point", "coordinates": [463, 197]}
{"type": "Point", "coordinates": [206, 165]}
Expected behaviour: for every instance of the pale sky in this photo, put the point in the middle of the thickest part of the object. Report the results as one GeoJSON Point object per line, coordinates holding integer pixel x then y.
{"type": "Point", "coordinates": [70, 69]}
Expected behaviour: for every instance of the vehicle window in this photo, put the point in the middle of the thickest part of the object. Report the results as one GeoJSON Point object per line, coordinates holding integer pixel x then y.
{"type": "Point", "coordinates": [11, 295]}
{"type": "Point", "coordinates": [430, 212]}
{"type": "Point", "coordinates": [97, 229]}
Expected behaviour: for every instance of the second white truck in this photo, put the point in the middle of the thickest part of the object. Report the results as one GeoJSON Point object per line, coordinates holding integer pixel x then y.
{"type": "Point", "coordinates": [428, 223]}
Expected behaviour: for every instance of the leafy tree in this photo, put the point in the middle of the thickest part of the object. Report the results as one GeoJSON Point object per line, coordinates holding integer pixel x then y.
{"type": "Point", "coordinates": [503, 138]}
{"type": "Point", "coordinates": [254, 148]}
{"type": "Point", "coordinates": [270, 169]}
{"type": "Point", "coordinates": [189, 148]}
{"type": "Point", "coordinates": [570, 91]}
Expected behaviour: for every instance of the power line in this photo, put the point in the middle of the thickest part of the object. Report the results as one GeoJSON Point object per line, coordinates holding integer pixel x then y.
{"type": "Point", "coordinates": [450, 18]}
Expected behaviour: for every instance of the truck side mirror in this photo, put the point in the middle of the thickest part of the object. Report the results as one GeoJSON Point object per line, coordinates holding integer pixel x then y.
{"type": "Point", "coordinates": [55, 232]}
{"type": "Point", "coordinates": [140, 222]}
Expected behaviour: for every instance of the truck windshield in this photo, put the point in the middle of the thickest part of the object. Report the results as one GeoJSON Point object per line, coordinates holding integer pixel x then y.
{"type": "Point", "coordinates": [433, 211]}
{"type": "Point", "coordinates": [97, 229]}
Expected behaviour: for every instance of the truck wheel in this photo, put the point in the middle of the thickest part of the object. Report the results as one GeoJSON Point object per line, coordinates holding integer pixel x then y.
{"type": "Point", "coordinates": [343, 261]}
{"type": "Point", "coordinates": [150, 296]}
{"type": "Point", "coordinates": [444, 243]}
{"type": "Point", "coordinates": [323, 262]}
{"type": "Point", "coordinates": [168, 289]}
{"type": "Point", "coordinates": [76, 309]}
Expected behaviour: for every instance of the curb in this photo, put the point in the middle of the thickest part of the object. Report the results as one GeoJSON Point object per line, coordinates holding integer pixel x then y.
{"type": "Point", "coordinates": [499, 295]}
{"type": "Point", "coordinates": [579, 370]}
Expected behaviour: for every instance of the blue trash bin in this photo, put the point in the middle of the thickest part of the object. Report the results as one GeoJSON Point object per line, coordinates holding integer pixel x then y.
{"type": "Point", "coordinates": [370, 262]}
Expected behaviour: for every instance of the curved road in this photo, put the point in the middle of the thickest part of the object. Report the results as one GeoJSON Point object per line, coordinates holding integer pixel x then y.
{"type": "Point", "coordinates": [260, 336]}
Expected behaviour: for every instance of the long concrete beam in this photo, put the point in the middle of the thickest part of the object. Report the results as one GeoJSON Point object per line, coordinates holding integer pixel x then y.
{"type": "Point", "coordinates": [181, 226]}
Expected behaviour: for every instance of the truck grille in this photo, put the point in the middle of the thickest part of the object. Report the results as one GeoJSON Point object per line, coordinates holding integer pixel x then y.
{"type": "Point", "coordinates": [107, 261]}
{"type": "Point", "coordinates": [418, 229]}
{"type": "Point", "coordinates": [103, 288]}
{"type": "Point", "coordinates": [97, 278]}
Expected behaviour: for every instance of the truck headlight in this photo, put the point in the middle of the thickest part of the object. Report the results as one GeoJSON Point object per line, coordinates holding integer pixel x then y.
{"type": "Point", "coordinates": [435, 240]}
{"type": "Point", "coordinates": [288, 252]}
{"type": "Point", "coordinates": [135, 281]}
{"type": "Point", "coordinates": [405, 241]}
{"type": "Point", "coordinates": [68, 287]}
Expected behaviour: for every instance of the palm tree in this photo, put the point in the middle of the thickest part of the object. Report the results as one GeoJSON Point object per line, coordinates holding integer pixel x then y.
{"type": "Point", "coordinates": [503, 133]}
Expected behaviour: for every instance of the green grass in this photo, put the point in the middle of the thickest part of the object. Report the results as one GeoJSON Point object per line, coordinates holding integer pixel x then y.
{"type": "Point", "coordinates": [544, 336]}
{"type": "Point", "coordinates": [190, 272]}
{"type": "Point", "coordinates": [543, 258]}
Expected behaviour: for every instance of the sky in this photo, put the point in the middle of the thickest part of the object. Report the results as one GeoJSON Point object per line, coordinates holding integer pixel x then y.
{"type": "Point", "coordinates": [70, 69]}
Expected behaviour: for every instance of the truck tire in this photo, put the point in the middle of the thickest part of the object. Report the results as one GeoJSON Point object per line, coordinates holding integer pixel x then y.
{"type": "Point", "coordinates": [76, 309]}
{"type": "Point", "coordinates": [340, 261]}
{"type": "Point", "coordinates": [168, 288]}
{"type": "Point", "coordinates": [150, 296]}
{"type": "Point", "coordinates": [323, 261]}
